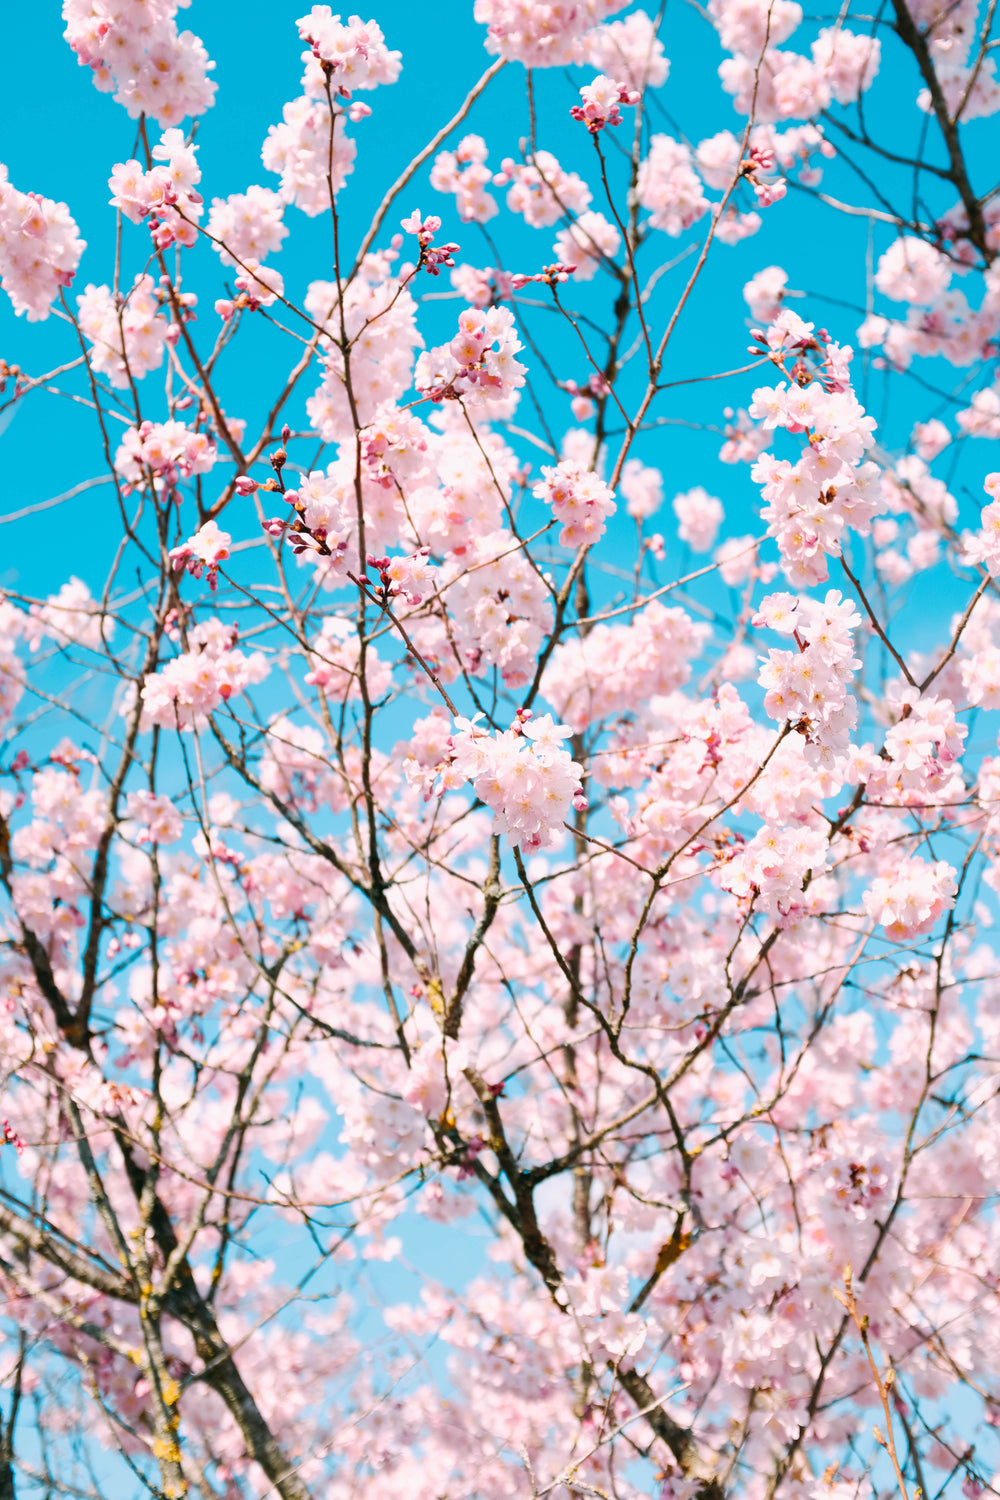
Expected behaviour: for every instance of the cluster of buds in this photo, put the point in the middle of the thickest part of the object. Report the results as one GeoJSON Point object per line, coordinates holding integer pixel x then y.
{"type": "Point", "coordinates": [431, 258]}
{"type": "Point", "coordinates": [10, 1137]}
{"type": "Point", "coordinates": [301, 537]}
{"type": "Point", "coordinates": [547, 276]}
{"type": "Point", "coordinates": [762, 161]}
{"type": "Point", "coordinates": [601, 100]}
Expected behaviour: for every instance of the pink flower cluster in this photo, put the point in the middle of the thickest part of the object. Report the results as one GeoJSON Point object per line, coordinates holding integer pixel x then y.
{"type": "Point", "coordinates": [580, 500]}
{"type": "Point", "coordinates": [542, 33]}
{"type": "Point", "coordinates": [807, 687]}
{"type": "Point", "coordinates": [501, 608]}
{"type": "Point", "coordinates": [541, 190]}
{"type": "Point", "coordinates": [165, 194]}
{"type": "Point", "coordinates": [170, 449]}
{"type": "Point", "coordinates": [40, 249]}
{"type": "Point", "coordinates": [984, 546]}
{"type": "Point", "coordinates": [588, 241]}
{"type": "Point", "coordinates": [910, 897]}
{"type": "Point", "coordinates": [745, 25]}
{"type": "Point", "coordinates": [156, 818]}
{"type": "Point", "coordinates": [258, 286]}
{"type": "Point", "coordinates": [296, 766]}
{"type": "Point", "coordinates": [772, 867]}
{"type": "Point", "coordinates": [971, 93]}
{"type": "Point", "coordinates": [71, 615]}
{"type": "Point", "coordinates": [523, 774]}
{"type": "Point", "coordinates": [127, 334]}
{"type": "Point", "coordinates": [248, 225]}
{"type": "Point", "coordinates": [602, 99]}
{"type": "Point", "coordinates": [299, 150]}
{"type": "Point", "coordinates": [334, 658]}
{"type": "Point", "coordinates": [408, 576]}
{"type": "Point", "coordinates": [394, 448]}
{"type": "Point", "coordinates": [629, 49]}
{"type": "Point", "coordinates": [205, 550]}
{"type": "Point", "coordinates": [699, 515]}
{"type": "Point", "coordinates": [614, 667]}
{"type": "Point", "coordinates": [829, 489]}
{"type": "Point", "coordinates": [380, 319]}
{"type": "Point", "coordinates": [756, 168]}
{"type": "Point", "coordinates": [137, 52]}
{"type": "Point", "coordinates": [912, 270]}
{"type": "Point", "coordinates": [642, 487]}
{"type": "Point", "coordinates": [479, 363]}
{"type": "Point", "coordinates": [789, 85]}
{"type": "Point", "coordinates": [939, 320]}
{"type": "Point", "coordinates": [919, 763]}
{"type": "Point", "coordinates": [765, 293]}
{"type": "Point", "coordinates": [191, 686]}
{"type": "Point", "coordinates": [669, 187]}
{"type": "Point", "coordinates": [464, 172]}
{"type": "Point", "coordinates": [355, 52]}
{"type": "Point", "coordinates": [481, 287]}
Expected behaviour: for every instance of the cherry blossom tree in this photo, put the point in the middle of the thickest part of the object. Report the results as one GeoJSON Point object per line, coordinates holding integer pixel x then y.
{"type": "Point", "coordinates": [498, 1000]}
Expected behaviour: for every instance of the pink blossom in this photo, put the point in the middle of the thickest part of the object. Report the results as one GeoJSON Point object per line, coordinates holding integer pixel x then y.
{"type": "Point", "coordinates": [669, 187]}
{"type": "Point", "coordinates": [523, 774]}
{"type": "Point", "coordinates": [930, 438]}
{"type": "Point", "coordinates": [586, 243]}
{"type": "Point", "coordinates": [541, 36]}
{"type": "Point", "coordinates": [205, 550]}
{"type": "Point", "coordinates": [157, 818]}
{"type": "Point", "coordinates": [629, 49]}
{"type": "Point", "coordinates": [699, 515]}
{"type": "Point", "coordinates": [541, 190]}
{"type": "Point", "coordinates": [40, 249]}
{"type": "Point", "coordinates": [249, 225]}
{"type": "Point", "coordinates": [765, 293]}
{"type": "Point", "coordinates": [642, 487]}
{"type": "Point", "coordinates": [356, 53]}
{"type": "Point", "coordinates": [140, 56]}
{"type": "Point", "coordinates": [127, 340]}
{"type": "Point", "coordinates": [479, 362]}
{"type": "Point", "coordinates": [464, 173]}
{"type": "Point", "coordinates": [191, 686]}
{"type": "Point", "coordinates": [909, 899]}
{"type": "Point", "coordinates": [299, 150]}
{"type": "Point", "coordinates": [601, 100]}
{"type": "Point", "coordinates": [580, 500]}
